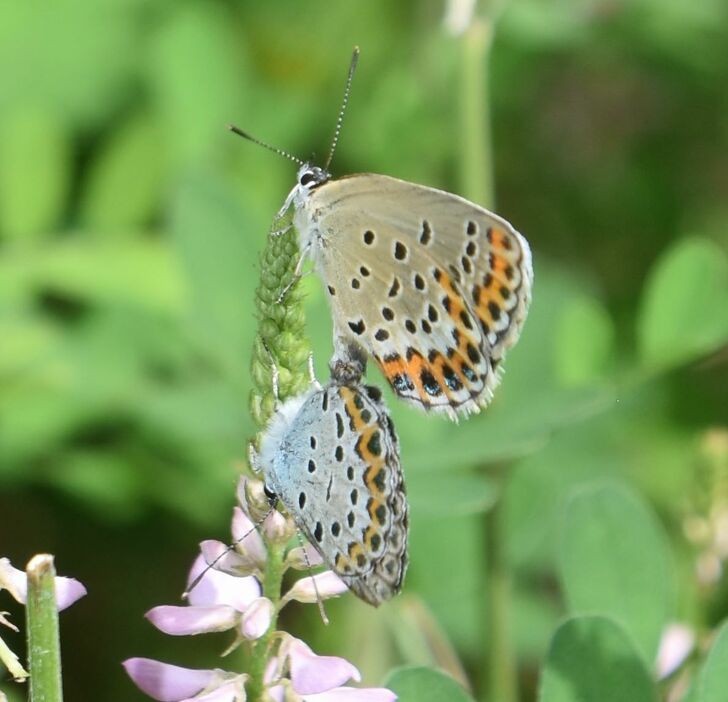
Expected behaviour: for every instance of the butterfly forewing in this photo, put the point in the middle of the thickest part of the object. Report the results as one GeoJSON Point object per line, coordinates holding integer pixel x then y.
{"type": "Point", "coordinates": [434, 287]}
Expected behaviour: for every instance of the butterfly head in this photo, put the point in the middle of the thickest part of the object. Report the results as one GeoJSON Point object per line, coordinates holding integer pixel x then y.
{"type": "Point", "coordinates": [310, 177]}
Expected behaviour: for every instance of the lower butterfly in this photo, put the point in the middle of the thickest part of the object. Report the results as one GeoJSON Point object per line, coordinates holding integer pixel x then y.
{"type": "Point", "coordinates": [433, 287]}
{"type": "Point", "coordinates": [331, 456]}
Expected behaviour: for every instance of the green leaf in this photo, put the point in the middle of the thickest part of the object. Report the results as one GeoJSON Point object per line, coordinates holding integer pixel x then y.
{"type": "Point", "coordinates": [35, 155]}
{"type": "Point", "coordinates": [126, 179]}
{"type": "Point", "coordinates": [212, 236]}
{"type": "Point", "coordinates": [140, 272]}
{"type": "Point", "coordinates": [419, 684]}
{"type": "Point", "coordinates": [712, 685]}
{"type": "Point", "coordinates": [73, 57]}
{"type": "Point", "coordinates": [684, 311]}
{"type": "Point", "coordinates": [453, 492]}
{"type": "Point", "coordinates": [195, 80]}
{"type": "Point", "coordinates": [454, 589]}
{"type": "Point", "coordinates": [583, 342]}
{"type": "Point", "coordinates": [591, 659]}
{"type": "Point", "coordinates": [614, 561]}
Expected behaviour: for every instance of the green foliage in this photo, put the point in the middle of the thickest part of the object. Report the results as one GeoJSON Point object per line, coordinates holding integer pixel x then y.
{"type": "Point", "coordinates": [684, 314]}
{"type": "Point", "coordinates": [614, 561]}
{"type": "Point", "coordinates": [592, 659]}
{"type": "Point", "coordinates": [126, 180]}
{"type": "Point", "coordinates": [416, 684]}
{"type": "Point", "coordinates": [35, 156]}
{"type": "Point", "coordinates": [711, 684]}
{"type": "Point", "coordinates": [584, 342]}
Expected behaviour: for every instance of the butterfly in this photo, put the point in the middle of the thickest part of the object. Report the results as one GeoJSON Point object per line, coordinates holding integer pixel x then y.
{"type": "Point", "coordinates": [431, 286]}
{"type": "Point", "coordinates": [331, 456]}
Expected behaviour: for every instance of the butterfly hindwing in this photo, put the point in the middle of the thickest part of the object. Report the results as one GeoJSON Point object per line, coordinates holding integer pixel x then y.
{"type": "Point", "coordinates": [335, 467]}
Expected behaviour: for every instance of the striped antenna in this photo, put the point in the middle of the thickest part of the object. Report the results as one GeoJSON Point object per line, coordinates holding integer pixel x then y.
{"type": "Point", "coordinates": [280, 152]}
{"type": "Point", "coordinates": [319, 601]}
{"type": "Point", "coordinates": [340, 119]}
{"type": "Point", "coordinates": [231, 547]}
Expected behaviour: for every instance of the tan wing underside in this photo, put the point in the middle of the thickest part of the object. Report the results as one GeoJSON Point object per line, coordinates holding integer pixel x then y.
{"type": "Point", "coordinates": [467, 307]}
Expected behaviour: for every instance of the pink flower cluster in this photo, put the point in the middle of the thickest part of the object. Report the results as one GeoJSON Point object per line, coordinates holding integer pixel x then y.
{"type": "Point", "coordinates": [229, 597]}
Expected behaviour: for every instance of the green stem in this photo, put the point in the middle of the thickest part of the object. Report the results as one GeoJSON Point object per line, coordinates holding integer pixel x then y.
{"type": "Point", "coordinates": [272, 580]}
{"type": "Point", "coordinates": [478, 185]}
{"type": "Point", "coordinates": [476, 156]}
{"type": "Point", "coordinates": [44, 648]}
{"type": "Point", "coordinates": [280, 341]}
{"type": "Point", "coordinates": [502, 680]}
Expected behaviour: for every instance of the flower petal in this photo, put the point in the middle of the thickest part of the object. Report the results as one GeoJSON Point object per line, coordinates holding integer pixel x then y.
{"type": "Point", "coordinates": [13, 580]}
{"type": "Point", "coordinates": [234, 691]}
{"type": "Point", "coordinates": [676, 644]}
{"type": "Point", "coordinates": [302, 558]}
{"type": "Point", "coordinates": [327, 584]}
{"type": "Point", "coordinates": [246, 538]}
{"type": "Point", "coordinates": [227, 560]}
{"type": "Point", "coordinates": [311, 673]}
{"type": "Point", "coordinates": [252, 498]}
{"type": "Point", "coordinates": [166, 682]}
{"type": "Point", "coordinates": [188, 621]}
{"type": "Point", "coordinates": [257, 618]}
{"type": "Point", "coordinates": [277, 528]}
{"type": "Point", "coordinates": [217, 588]}
{"type": "Point", "coordinates": [353, 694]}
{"type": "Point", "coordinates": [68, 590]}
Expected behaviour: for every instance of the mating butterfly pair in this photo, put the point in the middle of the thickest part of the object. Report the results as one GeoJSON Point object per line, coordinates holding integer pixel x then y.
{"type": "Point", "coordinates": [435, 289]}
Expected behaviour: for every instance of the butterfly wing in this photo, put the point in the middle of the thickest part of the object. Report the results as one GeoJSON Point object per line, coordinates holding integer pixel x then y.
{"type": "Point", "coordinates": [434, 287]}
{"type": "Point", "coordinates": [338, 474]}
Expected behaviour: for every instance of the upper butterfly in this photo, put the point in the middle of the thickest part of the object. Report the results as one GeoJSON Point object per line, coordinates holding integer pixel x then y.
{"type": "Point", "coordinates": [434, 287]}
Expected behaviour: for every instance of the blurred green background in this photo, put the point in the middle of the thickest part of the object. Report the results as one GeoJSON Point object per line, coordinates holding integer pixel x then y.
{"type": "Point", "coordinates": [130, 227]}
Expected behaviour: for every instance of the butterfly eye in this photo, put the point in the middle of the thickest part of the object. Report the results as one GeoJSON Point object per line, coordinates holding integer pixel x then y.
{"type": "Point", "coordinates": [272, 497]}
{"type": "Point", "coordinates": [307, 178]}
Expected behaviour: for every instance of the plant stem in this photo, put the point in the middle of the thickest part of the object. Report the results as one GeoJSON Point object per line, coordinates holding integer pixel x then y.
{"type": "Point", "coordinates": [280, 343]}
{"type": "Point", "coordinates": [500, 660]}
{"type": "Point", "coordinates": [478, 185]}
{"type": "Point", "coordinates": [44, 648]}
{"type": "Point", "coordinates": [476, 149]}
{"type": "Point", "coordinates": [272, 580]}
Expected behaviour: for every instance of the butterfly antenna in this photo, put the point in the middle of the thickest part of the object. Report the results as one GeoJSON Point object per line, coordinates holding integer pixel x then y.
{"type": "Point", "coordinates": [230, 547]}
{"type": "Point", "coordinates": [345, 102]}
{"type": "Point", "coordinates": [319, 601]}
{"type": "Point", "coordinates": [280, 152]}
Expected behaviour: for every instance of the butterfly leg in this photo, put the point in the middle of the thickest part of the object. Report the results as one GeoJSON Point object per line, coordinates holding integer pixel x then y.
{"type": "Point", "coordinates": [274, 377]}
{"type": "Point", "coordinates": [312, 373]}
{"type": "Point", "coordinates": [281, 231]}
{"type": "Point", "coordinates": [297, 274]}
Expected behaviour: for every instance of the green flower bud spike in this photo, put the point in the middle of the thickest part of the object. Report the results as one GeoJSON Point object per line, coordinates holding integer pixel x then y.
{"type": "Point", "coordinates": [281, 327]}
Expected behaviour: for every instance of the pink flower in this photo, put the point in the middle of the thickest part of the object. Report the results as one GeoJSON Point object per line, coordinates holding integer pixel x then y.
{"type": "Point", "coordinates": [68, 590]}
{"type": "Point", "coordinates": [322, 585]}
{"type": "Point", "coordinates": [219, 602]}
{"type": "Point", "coordinates": [228, 597]}
{"type": "Point", "coordinates": [315, 678]}
{"type": "Point", "coordinates": [170, 683]}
